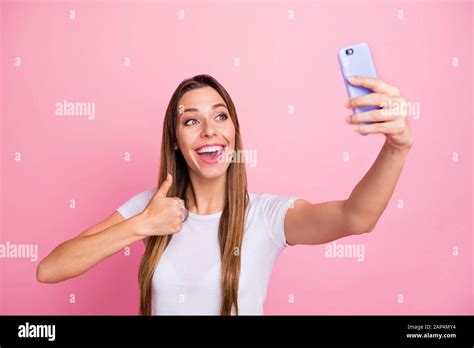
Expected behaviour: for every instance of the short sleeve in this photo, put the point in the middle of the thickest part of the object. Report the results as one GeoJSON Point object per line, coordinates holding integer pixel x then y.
{"type": "Point", "coordinates": [273, 209]}
{"type": "Point", "coordinates": [136, 204]}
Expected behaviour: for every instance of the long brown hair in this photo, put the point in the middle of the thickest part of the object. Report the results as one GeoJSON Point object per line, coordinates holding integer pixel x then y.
{"type": "Point", "coordinates": [231, 224]}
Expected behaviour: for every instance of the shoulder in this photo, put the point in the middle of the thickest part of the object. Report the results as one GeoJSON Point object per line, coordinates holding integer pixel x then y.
{"type": "Point", "coordinates": [271, 200]}
{"type": "Point", "coordinates": [143, 196]}
{"type": "Point", "coordinates": [136, 203]}
{"type": "Point", "coordinates": [271, 209]}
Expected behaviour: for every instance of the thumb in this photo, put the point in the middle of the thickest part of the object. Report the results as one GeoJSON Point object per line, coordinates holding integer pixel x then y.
{"type": "Point", "coordinates": [165, 186]}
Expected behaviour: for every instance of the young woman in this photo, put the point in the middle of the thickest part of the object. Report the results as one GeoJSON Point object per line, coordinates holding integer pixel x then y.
{"type": "Point", "coordinates": [210, 244]}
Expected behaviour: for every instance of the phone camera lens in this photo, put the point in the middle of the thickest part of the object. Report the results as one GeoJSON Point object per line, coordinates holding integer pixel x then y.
{"type": "Point", "coordinates": [349, 51]}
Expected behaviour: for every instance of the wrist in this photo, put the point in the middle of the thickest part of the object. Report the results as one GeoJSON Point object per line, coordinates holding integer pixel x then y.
{"type": "Point", "coordinates": [138, 226]}
{"type": "Point", "coordinates": [402, 150]}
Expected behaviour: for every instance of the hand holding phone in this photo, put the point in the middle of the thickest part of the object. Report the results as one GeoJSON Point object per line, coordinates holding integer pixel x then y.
{"type": "Point", "coordinates": [356, 60]}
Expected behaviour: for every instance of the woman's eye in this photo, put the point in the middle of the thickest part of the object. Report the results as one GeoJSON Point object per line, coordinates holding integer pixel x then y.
{"type": "Point", "coordinates": [223, 115]}
{"type": "Point", "coordinates": [186, 123]}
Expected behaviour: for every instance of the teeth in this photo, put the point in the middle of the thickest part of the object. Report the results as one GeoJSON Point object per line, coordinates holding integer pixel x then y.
{"type": "Point", "coordinates": [210, 149]}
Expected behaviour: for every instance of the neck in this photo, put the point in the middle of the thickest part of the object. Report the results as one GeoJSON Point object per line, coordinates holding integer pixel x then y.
{"type": "Point", "coordinates": [210, 194]}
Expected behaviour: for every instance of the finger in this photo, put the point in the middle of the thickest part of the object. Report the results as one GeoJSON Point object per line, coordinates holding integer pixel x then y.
{"type": "Point", "coordinates": [390, 127]}
{"type": "Point", "coordinates": [370, 116]}
{"type": "Point", "coordinates": [372, 99]}
{"type": "Point", "coordinates": [396, 105]}
{"type": "Point", "coordinates": [179, 202]}
{"type": "Point", "coordinates": [374, 84]}
{"type": "Point", "coordinates": [165, 186]}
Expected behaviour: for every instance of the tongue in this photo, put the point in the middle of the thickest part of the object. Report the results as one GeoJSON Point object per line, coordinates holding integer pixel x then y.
{"type": "Point", "coordinates": [209, 154]}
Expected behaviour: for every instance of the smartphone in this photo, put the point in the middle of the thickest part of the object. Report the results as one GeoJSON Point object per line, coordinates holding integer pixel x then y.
{"type": "Point", "coordinates": [356, 60]}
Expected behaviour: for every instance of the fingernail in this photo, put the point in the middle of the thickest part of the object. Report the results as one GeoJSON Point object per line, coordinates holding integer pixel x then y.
{"type": "Point", "coordinates": [356, 129]}
{"type": "Point", "coordinates": [351, 79]}
{"type": "Point", "coordinates": [347, 104]}
{"type": "Point", "coordinates": [349, 119]}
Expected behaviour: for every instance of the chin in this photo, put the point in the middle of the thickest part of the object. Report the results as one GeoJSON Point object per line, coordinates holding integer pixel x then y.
{"type": "Point", "coordinates": [212, 173]}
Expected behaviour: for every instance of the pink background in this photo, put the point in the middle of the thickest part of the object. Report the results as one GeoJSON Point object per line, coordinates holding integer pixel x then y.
{"type": "Point", "coordinates": [282, 62]}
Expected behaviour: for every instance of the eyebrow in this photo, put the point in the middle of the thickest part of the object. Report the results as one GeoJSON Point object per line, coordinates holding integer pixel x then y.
{"type": "Point", "coordinates": [215, 106]}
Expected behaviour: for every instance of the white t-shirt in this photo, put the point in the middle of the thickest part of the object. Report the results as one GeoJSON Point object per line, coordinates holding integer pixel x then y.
{"type": "Point", "coordinates": [187, 277]}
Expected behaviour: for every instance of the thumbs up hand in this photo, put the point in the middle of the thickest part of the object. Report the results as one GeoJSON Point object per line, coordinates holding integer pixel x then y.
{"type": "Point", "coordinates": [163, 215]}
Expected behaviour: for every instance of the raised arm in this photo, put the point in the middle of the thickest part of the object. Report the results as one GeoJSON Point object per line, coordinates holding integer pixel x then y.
{"type": "Point", "coordinates": [319, 223]}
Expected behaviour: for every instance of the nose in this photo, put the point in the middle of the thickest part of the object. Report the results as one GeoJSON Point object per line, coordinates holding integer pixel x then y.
{"type": "Point", "coordinates": [209, 129]}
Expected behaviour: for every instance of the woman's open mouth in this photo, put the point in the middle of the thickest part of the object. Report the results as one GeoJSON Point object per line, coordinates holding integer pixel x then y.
{"type": "Point", "coordinates": [210, 154]}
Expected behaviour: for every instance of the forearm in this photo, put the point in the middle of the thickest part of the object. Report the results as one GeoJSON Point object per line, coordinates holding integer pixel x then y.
{"type": "Point", "coordinates": [76, 256]}
{"type": "Point", "coordinates": [371, 195]}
